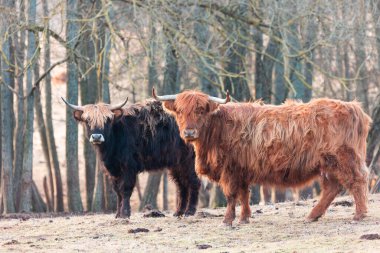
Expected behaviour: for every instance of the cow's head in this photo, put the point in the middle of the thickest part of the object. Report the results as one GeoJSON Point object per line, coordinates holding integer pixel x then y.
{"type": "Point", "coordinates": [97, 119]}
{"type": "Point", "coordinates": [192, 110]}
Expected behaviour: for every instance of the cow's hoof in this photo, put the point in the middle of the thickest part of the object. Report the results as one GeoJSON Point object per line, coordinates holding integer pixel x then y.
{"type": "Point", "coordinates": [359, 216]}
{"type": "Point", "coordinates": [311, 219]}
{"type": "Point", "coordinates": [123, 215]}
{"type": "Point", "coordinates": [178, 214]}
{"type": "Point", "coordinates": [227, 223]}
{"type": "Point", "coordinates": [190, 212]}
{"type": "Point", "coordinates": [244, 221]}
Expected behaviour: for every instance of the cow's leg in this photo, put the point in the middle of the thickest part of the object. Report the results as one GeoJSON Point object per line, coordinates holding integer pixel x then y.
{"type": "Point", "coordinates": [245, 209]}
{"type": "Point", "coordinates": [230, 212]}
{"type": "Point", "coordinates": [193, 186]}
{"type": "Point", "coordinates": [230, 191]}
{"type": "Point", "coordinates": [182, 192]}
{"type": "Point", "coordinates": [116, 186]}
{"type": "Point", "coordinates": [360, 193]}
{"type": "Point", "coordinates": [353, 175]}
{"type": "Point", "coordinates": [129, 184]}
{"type": "Point", "coordinates": [330, 188]}
{"type": "Point", "coordinates": [182, 195]}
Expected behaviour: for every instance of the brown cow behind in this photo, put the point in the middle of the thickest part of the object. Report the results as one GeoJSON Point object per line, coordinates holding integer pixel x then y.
{"type": "Point", "coordinates": [289, 145]}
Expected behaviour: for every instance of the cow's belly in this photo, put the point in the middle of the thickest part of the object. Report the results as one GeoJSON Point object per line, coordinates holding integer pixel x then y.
{"type": "Point", "coordinates": [290, 177]}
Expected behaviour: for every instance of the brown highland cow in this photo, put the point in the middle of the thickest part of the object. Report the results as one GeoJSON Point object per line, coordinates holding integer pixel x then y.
{"type": "Point", "coordinates": [290, 145]}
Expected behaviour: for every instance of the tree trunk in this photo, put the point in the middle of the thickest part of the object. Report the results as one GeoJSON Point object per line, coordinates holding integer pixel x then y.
{"type": "Point", "coordinates": [169, 85]}
{"type": "Point", "coordinates": [44, 141]}
{"type": "Point", "coordinates": [152, 66]}
{"type": "Point", "coordinates": [109, 194]}
{"type": "Point", "coordinates": [49, 123]}
{"type": "Point", "coordinates": [38, 203]}
{"type": "Point", "coordinates": [6, 115]}
{"type": "Point", "coordinates": [217, 198]}
{"type": "Point", "coordinates": [151, 190]}
{"type": "Point", "coordinates": [294, 64]}
{"type": "Point", "coordinates": [374, 133]}
{"type": "Point", "coordinates": [89, 95]}
{"type": "Point", "coordinates": [1, 144]}
{"type": "Point", "coordinates": [259, 68]}
{"type": "Point", "coordinates": [311, 35]}
{"type": "Point", "coordinates": [207, 78]}
{"type": "Point", "coordinates": [236, 53]}
{"type": "Point", "coordinates": [281, 90]}
{"type": "Point", "coordinates": [165, 204]}
{"type": "Point", "coordinates": [255, 194]}
{"type": "Point", "coordinates": [20, 123]}
{"type": "Point", "coordinates": [98, 202]}
{"type": "Point", "coordinates": [73, 189]}
{"type": "Point", "coordinates": [360, 57]}
{"type": "Point", "coordinates": [26, 177]}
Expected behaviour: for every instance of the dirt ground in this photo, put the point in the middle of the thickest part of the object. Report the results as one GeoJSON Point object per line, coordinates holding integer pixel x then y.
{"type": "Point", "coordinates": [273, 228]}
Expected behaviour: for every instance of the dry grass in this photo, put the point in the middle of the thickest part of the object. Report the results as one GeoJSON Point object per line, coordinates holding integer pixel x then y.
{"type": "Point", "coordinates": [274, 228]}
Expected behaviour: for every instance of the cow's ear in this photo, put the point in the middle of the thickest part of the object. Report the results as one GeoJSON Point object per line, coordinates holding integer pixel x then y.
{"type": "Point", "coordinates": [169, 105]}
{"type": "Point", "coordinates": [78, 115]}
{"type": "Point", "coordinates": [118, 113]}
{"type": "Point", "coordinates": [212, 106]}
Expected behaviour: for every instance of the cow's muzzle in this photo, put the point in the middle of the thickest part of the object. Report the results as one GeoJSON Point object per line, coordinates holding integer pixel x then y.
{"type": "Point", "coordinates": [190, 134]}
{"type": "Point", "coordinates": [96, 138]}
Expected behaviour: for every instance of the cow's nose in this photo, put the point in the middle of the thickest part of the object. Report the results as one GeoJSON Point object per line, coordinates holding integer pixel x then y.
{"type": "Point", "coordinates": [96, 138]}
{"type": "Point", "coordinates": [189, 132]}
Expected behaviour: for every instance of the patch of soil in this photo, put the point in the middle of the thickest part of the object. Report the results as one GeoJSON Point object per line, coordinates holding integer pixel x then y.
{"type": "Point", "coordinates": [138, 230]}
{"type": "Point", "coordinates": [202, 214]}
{"type": "Point", "coordinates": [370, 237]}
{"type": "Point", "coordinates": [343, 203]}
{"type": "Point", "coordinates": [153, 214]}
{"type": "Point", "coordinates": [204, 246]}
{"type": "Point", "coordinates": [12, 242]}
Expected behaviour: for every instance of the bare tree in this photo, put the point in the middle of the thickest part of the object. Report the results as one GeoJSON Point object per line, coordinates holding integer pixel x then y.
{"type": "Point", "coordinates": [73, 188]}
{"type": "Point", "coordinates": [49, 120]}
{"type": "Point", "coordinates": [6, 112]}
{"type": "Point", "coordinates": [20, 122]}
{"type": "Point", "coordinates": [26, 176]}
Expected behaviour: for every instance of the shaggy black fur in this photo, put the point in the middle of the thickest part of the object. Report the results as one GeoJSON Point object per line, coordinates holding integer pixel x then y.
{"type": "Point", "coordinates": [146, 138]}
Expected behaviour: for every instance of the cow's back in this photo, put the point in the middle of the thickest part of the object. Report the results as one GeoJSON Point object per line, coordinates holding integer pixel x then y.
{"type": "Point", "coordinates": [287, 144]}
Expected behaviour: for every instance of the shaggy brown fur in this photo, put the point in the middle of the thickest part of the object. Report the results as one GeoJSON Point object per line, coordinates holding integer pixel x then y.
{"type": "Point", "coordinates": [238, 144]}
{"type": "Point", "coordinates": [95, 115]}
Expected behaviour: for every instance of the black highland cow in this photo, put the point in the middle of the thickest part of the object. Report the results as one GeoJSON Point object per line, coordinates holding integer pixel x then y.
{"type": "Point", "coordinates": [140, 137]}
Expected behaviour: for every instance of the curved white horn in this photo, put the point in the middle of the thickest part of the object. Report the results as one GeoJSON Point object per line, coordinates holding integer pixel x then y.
{"type": "Point", "coordinates": [221, 100]}
{"type": "Point", "coordinates": [115, 107]}
{"type": "Point", "coordinates": [75, 107]}
{"type": "Point", "coordinates": [163, 98]}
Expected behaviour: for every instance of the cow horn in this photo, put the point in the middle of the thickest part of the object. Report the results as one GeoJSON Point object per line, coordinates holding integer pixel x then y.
{"type": "Point", "coordinates": [116, 107]}
{"type": "Point", "coordinates": [75, 107]}
{"type": "Point", "coordinates": [221, 100]}
{"type": "Point", "coordinates": [162, 98]}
